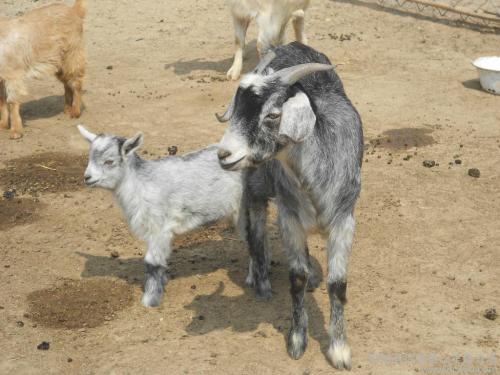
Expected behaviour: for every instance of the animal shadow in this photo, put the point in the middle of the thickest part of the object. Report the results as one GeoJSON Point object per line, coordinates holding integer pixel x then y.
{"type": "Point", "coordinates": [182, 67]}
{"type": "Point", "coordinates": [217, 311]}
{"type": "Point", "coordinates": [46, 107]}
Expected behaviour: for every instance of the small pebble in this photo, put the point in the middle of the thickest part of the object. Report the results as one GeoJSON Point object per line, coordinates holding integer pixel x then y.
{"type": "Point", "coordinates": [20, 323]}
{"type": "Point", "coordinates": [429, 163]}
{"type": "Point", "coordinates": [261, 334]}
{"type": "Point", "coordinates": [109, 67]}
{"type": "Point", "coordinates": [193, 286]}
{"type": "Point", "coordinates": [201, 317]}
{"type": "Point", "coordinates": [115, 254]}
{"type": "Point", "coordinates": [70, 360]}
{"type": "Point", "coordinates": [490, 314]}
{"type": "Point", "coordinates": [9, 194]}
{"type": "Point", "coordinates": [172, 150]}
{"type": "Point", "coordinates": [44, 345]}
{"type": "Point", "coordinates": [458, 161]}
{"type": "Point", "coordinates": [474, 172]}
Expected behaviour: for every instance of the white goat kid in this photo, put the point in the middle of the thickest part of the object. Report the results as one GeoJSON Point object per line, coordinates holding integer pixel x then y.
{"type": "Point", "coordinates": [161, 198]}
{"type": "Point", "coordinates": [272, 17]}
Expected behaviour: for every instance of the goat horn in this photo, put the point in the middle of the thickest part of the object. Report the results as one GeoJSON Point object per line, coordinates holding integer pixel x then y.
{"type": "Point", "coordinates": [264, 62]}
{"type": "Point", "coordinates": [229, 112]}
{"type": "Point", "coordinates": [292, 74]}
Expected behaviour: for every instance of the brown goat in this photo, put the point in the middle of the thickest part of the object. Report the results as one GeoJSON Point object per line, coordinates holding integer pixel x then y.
{"type": "Point", "coordinates": [44, 41]}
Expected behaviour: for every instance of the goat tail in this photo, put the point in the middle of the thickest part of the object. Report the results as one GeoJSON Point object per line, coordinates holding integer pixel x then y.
{"type": "Point", "coordinates": [79, 7]}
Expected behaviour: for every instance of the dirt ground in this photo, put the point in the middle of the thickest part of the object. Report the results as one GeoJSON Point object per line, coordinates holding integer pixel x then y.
{"type": "Point", "coordinates": [425, 263]}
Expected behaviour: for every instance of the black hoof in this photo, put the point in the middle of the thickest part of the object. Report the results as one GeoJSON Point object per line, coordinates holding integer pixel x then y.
{"type": "Point", "coordinates": [313, 282]}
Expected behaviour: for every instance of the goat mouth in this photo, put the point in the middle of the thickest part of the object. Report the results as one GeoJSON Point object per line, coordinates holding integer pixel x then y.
{"type": "Point", "coordinates": [231, 166]}
{"type": "Point", "coordinates": [91, 183]}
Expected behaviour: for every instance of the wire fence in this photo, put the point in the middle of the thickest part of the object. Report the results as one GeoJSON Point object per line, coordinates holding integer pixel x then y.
{"type": "Point", "coordinates": [481, 13]}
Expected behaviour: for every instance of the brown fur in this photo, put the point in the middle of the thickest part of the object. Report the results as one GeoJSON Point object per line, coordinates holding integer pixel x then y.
{"type": "Point", "coordinates": [44, 41]}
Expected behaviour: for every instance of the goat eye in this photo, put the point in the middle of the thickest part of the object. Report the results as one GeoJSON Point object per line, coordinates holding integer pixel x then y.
{"type": "Point", "coordinates": [273, 116]}
{"type": "Point", "coordinates": [108, 162]}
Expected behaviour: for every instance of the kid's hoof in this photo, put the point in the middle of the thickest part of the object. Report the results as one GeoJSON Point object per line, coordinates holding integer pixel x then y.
{"type": "Point", "coordinates": [340, 356]}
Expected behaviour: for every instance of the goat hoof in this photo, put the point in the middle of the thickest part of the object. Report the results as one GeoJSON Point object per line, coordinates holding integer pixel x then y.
{"type": "Point", "coordinates": [233, 73]}
{"type": "Point", "coordinates": [16, 135]}
{"type": "Point", "coordinates": [297, 342]}
{"type": "Point", "coordinates": [263, 290]}
{"type": "Point", "coordinates": [313, 282]}
{"type": "Point", "coordinates": [250, 280]}
{"type": "Point", "coordinates": [339, 355]}
{"type": "Point", "coordinates": [149, 300]}
{"type": "Point", "coordinates": [74, 112]}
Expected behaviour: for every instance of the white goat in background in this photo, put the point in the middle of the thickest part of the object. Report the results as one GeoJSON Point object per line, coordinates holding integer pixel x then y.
{"type": "Point", "coordinates": [272, 16]}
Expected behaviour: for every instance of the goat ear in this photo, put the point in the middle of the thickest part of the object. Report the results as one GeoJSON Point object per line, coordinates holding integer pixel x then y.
{"type": "Point", "coordinates": [132, 144]}
{"type": "Point", "coordinates": [297, 118]}
{"type": "Point", "coordinates": [86, 134]}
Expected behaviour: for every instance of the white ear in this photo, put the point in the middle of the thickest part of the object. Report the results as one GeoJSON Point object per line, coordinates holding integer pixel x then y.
{"type": "Point", "coordinates": [297, 118]}
{"type": "Point", "coordinates": [86, 134]}
{"type": "Point", "coordinates": [132, 144]}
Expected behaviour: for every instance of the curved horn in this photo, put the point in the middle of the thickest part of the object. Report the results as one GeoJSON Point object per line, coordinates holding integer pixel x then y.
{"type": "Point", "coordinates": [292, 74]}
{"type": "Point", "coordinates": [229, 112]}
{"type": "Point", "coordinates": [264, 62]}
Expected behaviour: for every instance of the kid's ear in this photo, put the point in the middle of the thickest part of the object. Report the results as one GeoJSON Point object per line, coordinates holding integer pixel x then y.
{"type": "Point", "coordinates": [86, 134]}
{"type": "Point", "coordinates": [132, 144]}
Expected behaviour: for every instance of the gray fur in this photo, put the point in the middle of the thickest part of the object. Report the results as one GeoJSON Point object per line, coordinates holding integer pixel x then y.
{"type": "Point", "coordinates": [162, 198]}
{"type": "Point", "coordinates": [317, 179]}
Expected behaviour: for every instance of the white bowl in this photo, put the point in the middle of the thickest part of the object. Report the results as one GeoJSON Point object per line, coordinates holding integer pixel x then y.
{"type": "Point", "coordinates": [489, 73]}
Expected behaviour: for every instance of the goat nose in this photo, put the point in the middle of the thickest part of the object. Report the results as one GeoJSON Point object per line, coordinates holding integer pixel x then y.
{"type": "Point", "coordinates": [223, 154]}
{"type": "Point", "coordinates": [87, 177]}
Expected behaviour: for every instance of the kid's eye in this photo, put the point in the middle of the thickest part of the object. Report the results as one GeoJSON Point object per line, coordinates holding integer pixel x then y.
{"type": "Point", "coordinates": [108, 162]}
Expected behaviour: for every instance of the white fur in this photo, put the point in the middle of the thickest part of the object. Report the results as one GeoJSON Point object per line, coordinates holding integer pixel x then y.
{"type": "Point", "coordinates": [255, 80]}
{"type": "Point", "coordinates": [298, 118]}
{"type": "Point", "coordinates": [339, 247]}
{"type": "Point", "coordinates": [297, 340]}
{"type": "Point", "coordinates": [272, 16]}
{"type": "Point", "coordinates": [236, 145]}
{"type": "Point", "coordinates": [340, 355]}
